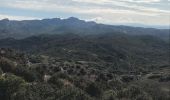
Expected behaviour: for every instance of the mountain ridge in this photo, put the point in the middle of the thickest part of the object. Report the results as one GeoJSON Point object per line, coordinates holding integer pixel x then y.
{"type": "Point", "coordinates": [27, 28]}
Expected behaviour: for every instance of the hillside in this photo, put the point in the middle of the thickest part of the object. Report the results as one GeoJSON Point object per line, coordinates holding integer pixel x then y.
{"type": "Point", "coordinates": [71, 59]}
{"type": "Point", "coordinates": [109, 50]}
{"type": "Point", "coordinates": [27, 28]}
{"type": "Point", "coordinates": [40, 77]}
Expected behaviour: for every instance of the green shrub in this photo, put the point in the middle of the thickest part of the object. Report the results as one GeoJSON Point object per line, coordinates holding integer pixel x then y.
{"type": "Point", "coordinates": [25, 73]}
{"type": "Point", "coordinates": [38, 91]}
{"type": "Point", "coordinates": [154, 76]}
{"type": "Point", "coordinates": [94, 90]}
{"type": "Point", "coordinates": [127, 78]}
{"type": "Point", "coordinates": [109, 95]}
{"type": "Point", "coordinates": [7, 65]}
{"type": "Point", "coordinates": [1, 71]}
{"type": "Point", "coordinates": [11, 84]}
{"type": "Point", "coordinates": [71, 93]}
{"type": "Point", "coordinates": [165, 78]}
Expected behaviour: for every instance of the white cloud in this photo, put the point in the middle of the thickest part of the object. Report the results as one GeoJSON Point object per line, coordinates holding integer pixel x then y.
{"type": "Point", "coordinates": [93, 1]}
{"type": "Point", "coordinates": [35, 5]}
{"type": "Point", "coordinates": [106, 11]}
{"type": "Point", "coordinates": [142, 1]}
{"type": "Point", "coordinates": [11, 17]}
{"type": "Point", "coordinates": [110, 1]}
{"type": "Point", "coordinates": [121, 3]}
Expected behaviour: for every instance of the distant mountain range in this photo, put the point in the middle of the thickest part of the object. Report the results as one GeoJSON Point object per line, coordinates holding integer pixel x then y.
{"type": "Point", "coordinates": [27, 28]}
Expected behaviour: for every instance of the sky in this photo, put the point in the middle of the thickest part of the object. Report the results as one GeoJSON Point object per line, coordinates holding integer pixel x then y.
{"type": "Point", "coordinates": [148, 12]}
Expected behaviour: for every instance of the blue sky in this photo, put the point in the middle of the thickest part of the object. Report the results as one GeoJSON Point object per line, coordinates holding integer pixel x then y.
{"type": "Point", "coordinates": [149, 12]}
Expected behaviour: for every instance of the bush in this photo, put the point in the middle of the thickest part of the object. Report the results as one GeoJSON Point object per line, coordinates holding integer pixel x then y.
{"type": "Point", "coordinates": [71, 93]}
{"type": "Point", "coordinates": [109, 95]}
{"type": "Point", "coordinates": [56, 79]}
{"type": "Point", "coordinates": [25, 73]}
{"type": "Point", "coordinates": [165, 78]}
{"type": "Point", "coordinates": [62, 76]}
{"type": "Point", "coordinates": [115, 85]}
{"type": "Point", "coordinates": [7, 65]}
{"type": "Point", "coordinates": [154, 76]}
{"type": "Point", "coordinates": [127, 78]}
{"type": "Point", "coordinates": [10, 84]}
{"type": "Point", "coordinates": [1, 71]}
{"type": "Point", "coordinates": [57, 82]}
{"type": "Point", "coordinates": [94, 90]}
{"type": "Point", "coordinates": [39, 91]}
{"type": "Point", "coordinates": [133, 93]}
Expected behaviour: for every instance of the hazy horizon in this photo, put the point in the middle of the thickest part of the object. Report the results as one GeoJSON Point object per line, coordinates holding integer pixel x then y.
{"type": "Point", "coordinates": [122, 12]}
{"type": "Point", "coordinates": [116, 24]}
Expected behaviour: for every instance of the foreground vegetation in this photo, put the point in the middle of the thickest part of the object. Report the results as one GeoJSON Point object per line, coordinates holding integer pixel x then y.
{"type": "Point", "coordinates": [40, 77]}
